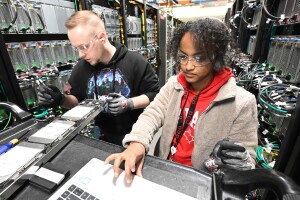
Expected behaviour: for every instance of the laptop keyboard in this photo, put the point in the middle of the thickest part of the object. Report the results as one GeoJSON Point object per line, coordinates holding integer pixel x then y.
{"type": "Point", "coordinates": [76, 193]}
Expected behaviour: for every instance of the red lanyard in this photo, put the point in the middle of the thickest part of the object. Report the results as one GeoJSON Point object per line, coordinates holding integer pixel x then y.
{"type": "Point", "coordinates": [182, 125]}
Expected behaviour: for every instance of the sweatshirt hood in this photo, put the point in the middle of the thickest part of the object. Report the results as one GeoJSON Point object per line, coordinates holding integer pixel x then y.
{"type": "Point", "coordinates": [121, 51]}
{"type": "Point", "coordinates": [220, 78]}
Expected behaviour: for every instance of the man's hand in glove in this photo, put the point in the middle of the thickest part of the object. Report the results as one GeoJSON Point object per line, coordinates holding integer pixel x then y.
{"type": "Point", "coordinates": [49, 95]}
{"type": "Point", "coordinates": [229, 155]}
{"type": "Point", "coordinates": [119, 104]}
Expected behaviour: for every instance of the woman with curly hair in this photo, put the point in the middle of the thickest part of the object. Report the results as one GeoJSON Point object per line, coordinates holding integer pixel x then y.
{"type": "Point", "coordinates": [207, 121]}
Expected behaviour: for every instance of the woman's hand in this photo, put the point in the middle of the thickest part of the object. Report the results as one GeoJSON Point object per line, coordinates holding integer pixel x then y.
{"type": "Point", "coordinates": [133, 156]}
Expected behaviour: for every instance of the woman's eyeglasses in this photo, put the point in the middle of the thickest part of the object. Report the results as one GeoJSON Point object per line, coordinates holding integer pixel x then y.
{"type": "Point", "coordinates": [197, 60]}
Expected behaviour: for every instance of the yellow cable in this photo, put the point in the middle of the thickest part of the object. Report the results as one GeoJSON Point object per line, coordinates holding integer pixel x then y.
{"type": "Point", "coordinates": [121, 29]}
{"type": "Point", "coordinates": [143, 24]}
{"type": "Point", "coordinates": [155, 30]}
{"type": "Point", "coordinates": [133, 2]}
{"type": "Point", "coordinates": [79, 5]}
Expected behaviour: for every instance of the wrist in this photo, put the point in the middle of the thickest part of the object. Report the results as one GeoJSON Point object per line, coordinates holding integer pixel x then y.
{"type": "Point", "coordinates": [130, 105]}
{"type": "Point", "coordinates": [137, 146]}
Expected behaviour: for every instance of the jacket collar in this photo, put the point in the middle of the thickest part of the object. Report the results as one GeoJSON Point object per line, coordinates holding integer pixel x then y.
{"type": "Point", "coordinates": [227, 91]}
{"type": "Point", "coordinates": [177, 85]}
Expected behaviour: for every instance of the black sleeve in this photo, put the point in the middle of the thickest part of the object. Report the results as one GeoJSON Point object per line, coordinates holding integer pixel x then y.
{"type": "Point", "coordinates": [149, 84]}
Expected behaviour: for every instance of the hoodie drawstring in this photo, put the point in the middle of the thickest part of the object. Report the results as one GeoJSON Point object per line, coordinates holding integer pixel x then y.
{"type": "Point", "coordinates": [114, 72]}
{"type": "Point", "coordinates": [95, 80]}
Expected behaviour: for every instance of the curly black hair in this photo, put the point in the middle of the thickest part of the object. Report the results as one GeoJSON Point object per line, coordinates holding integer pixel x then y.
{"type": "Point", "coordinates": [211, 33]}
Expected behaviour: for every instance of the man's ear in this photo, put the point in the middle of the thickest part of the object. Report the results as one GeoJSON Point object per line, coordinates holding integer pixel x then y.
{"type": "Point", "coordinates": [102, 36]}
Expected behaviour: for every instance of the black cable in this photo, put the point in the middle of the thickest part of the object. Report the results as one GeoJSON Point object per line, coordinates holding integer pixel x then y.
{"type": "Point", "coordinates": [267, 12]}
{"type": "Point", "coordinates": [29, 18]}
{"type": "Point", "coordinates": [244, 9]}
{"type": "Point", "coordinates": [42, 22]}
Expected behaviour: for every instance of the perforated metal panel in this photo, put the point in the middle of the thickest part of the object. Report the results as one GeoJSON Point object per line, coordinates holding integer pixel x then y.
{"type": "Point", "coordinates": [294, 61]}
{"type": "Point", "coordinates": [297, 76]}
{"type": "Point", "coordinates": [36, 21]}
{"type": "Point", "coordinates": [297, 73]}
{"type": "Point", "coordinates": [281, 7]}
{"type": "Point", "coordinates": [23, 21]}
{"type": "Point", "coordinates": [289, 8]}
{"type": "Point", "coordinates": [271, 52]}
{"type": "Point", "coordinates": [45, 52]}
{"type": "Point", "coordinates": [286, 7]}
{"type": "Point", "coordinates": [5, 17]}
{"type": "Point", "coordinates": [58, 53]}
{"type": "Point", "coordinates": [70, 56]}
{"type": "Point", "coordinates": [31, 55]}
{"type": "Point", "coordinates": [297, 7]}
{"type": "Point", "coordinates": [285, 57]}
{"type": "Point", "coordinates": [16, 57]}
{"type": "Point", "coordinates": [278, 53]}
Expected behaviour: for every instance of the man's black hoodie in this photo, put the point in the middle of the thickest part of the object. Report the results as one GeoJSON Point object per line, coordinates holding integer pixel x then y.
{"type": "Point", "coordinates": [127, 73]}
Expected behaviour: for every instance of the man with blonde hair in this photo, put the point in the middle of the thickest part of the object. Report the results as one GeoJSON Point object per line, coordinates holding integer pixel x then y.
{"type": "Point", "coordinates": [103, 60]}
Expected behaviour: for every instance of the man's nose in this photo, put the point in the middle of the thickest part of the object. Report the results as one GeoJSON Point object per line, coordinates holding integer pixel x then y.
{"type": "Point", "coordinates": [81, 55]}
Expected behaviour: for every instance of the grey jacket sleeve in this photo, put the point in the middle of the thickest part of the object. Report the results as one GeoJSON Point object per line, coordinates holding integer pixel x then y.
{"type": "Point", "coordinates": [245, 126]}
{"type": "Point", "coordinates": [150, 120]}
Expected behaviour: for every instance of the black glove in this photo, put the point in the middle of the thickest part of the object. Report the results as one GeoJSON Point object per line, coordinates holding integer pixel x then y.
{"type": "Point", "coordinates": [119, 104]}
{"type": "Point", "coordinates": [229, 155]}
{"type": "Point", "coordinates": [49, 95]}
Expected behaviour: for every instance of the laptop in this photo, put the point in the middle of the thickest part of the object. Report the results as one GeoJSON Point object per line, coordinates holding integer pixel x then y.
{"type": "Point", "coordinates": [95, 181]}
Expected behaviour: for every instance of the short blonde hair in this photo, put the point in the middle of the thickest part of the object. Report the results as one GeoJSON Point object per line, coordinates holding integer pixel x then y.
{"type": "Point", "coordinates": [87, 19]}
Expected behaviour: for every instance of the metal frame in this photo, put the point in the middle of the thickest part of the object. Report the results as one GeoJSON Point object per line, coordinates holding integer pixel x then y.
{"type": "Point", "coordinates": [262, 44]}
{"type": "Point", "coordinates": [10, 190]}
{"type": "Point", "coordinates": [8, 77]}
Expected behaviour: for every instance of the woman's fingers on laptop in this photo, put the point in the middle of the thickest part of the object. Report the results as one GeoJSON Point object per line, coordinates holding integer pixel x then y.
{"type": "Point", "coordinates": [117, 158]}
{"type": "Point", "coordinates": [133, 156]}
{"type": "Point", "coordinates": [140, 167]}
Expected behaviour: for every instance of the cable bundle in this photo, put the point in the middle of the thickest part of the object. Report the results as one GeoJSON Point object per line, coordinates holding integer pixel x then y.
{"type": "Point", "coordinates": [266, 156]}
{"type": "Point", "coordinates": [279, 99]}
